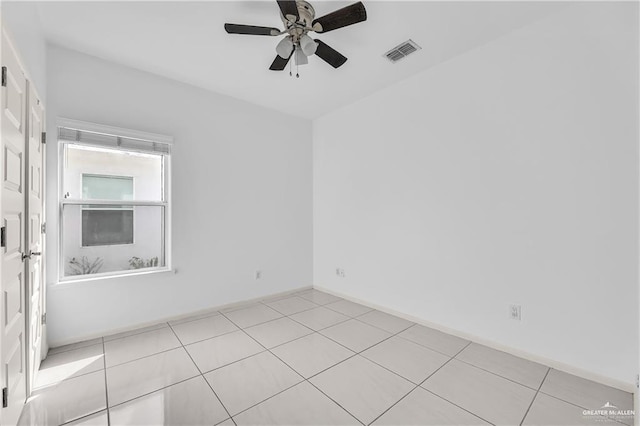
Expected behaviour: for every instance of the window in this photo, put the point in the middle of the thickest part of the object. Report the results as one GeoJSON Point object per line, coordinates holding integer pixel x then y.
{"type": "Point", "coordinates": [98, 187]}
{"type": "Point", "coordinates": [114, 201]}
{"type": "Point", "coordinates": [103, 227]}
{"type": "Point", "coordinates": [106, 226]}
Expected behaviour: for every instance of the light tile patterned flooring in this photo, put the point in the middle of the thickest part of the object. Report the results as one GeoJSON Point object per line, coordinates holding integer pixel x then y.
{"type": "Point", "coordinates": [307, 358]}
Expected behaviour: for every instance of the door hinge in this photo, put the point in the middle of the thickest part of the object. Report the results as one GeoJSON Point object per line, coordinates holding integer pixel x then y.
{"type": "Point", "coordinates": [44, 137]}
{"type": "Point", "coordinates": [5, 397]}
{"type": "Point", "coordinates": [4, 76]}
{"type": "Point", "coordinates": [3, 236]}
{"type": "Point", "coordinates": [43, 228]}
{"type": "Point", "coordinates": [43, 319]}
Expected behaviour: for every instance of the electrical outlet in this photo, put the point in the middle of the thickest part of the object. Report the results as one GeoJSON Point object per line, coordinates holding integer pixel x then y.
{"type": "Point", "coordinates": [340, 272]}
{"type": "Point", "coordinates": [515, 312]}
{"type": "Point", "coordinates": [258, 275]}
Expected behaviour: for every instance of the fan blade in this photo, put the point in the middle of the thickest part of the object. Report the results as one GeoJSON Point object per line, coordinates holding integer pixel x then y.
{"type": "Point", "coordinates": [340, 18]}
{"type": "Point", "coordinates": [289, 9]}
{"type": "Point", "coordinates": [251, 30]}
{"type": "Point", "coordinates": [330, 55]}
{"type": "Point", "coordinates": [279, 63]}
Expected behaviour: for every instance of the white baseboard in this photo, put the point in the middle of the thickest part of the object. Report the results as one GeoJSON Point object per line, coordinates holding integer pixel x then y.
{"type": "Point", "coordinates": [585, 374]}
{"type": "Point", "coordinates": [174, 317]}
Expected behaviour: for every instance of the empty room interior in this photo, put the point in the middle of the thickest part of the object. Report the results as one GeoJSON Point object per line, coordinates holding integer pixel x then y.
{"type": "Point", "coordinates": [319, 213]}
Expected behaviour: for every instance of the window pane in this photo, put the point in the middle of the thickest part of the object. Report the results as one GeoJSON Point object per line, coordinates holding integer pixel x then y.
{"type": "Point", "coordinates": [96, 187]}
{"type": "Point", "coordinates": [112, 238]}
{"type": "Point", "coordinates": [107, 227]}
{"type": "Point", "coordinates": [109, 174]}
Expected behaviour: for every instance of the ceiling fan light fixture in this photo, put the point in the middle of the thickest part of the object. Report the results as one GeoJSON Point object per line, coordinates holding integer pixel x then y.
{"type": "Point", "coordinates": [301, 58]}
{"type": "Point", "coordinates": [285, 47]}
{"type": "Point", "coordinates": [308, 45]}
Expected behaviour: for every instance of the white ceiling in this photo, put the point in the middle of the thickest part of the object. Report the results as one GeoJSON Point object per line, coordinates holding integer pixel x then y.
{"type": "Point", "coordinates": [186, 41]}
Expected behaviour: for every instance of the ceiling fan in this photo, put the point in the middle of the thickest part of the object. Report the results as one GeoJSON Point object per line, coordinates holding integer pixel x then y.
{"type": "Point", "coordinates": [299, 19]}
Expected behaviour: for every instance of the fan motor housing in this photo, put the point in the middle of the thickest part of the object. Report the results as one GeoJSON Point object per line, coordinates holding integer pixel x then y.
{"type": "Point", "coordinates": [307, 14]}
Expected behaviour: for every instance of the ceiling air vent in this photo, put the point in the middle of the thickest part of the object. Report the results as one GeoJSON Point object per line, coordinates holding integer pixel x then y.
{"type": "Point", "coordinates": [402, 50]}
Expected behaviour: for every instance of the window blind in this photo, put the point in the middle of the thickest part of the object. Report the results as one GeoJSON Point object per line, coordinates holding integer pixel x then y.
{"type": "Point", "coordinates": [66, 134]}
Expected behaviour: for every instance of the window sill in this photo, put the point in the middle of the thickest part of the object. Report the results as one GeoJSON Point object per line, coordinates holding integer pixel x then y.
{"type": "Point", "coordinates": [107, 276]}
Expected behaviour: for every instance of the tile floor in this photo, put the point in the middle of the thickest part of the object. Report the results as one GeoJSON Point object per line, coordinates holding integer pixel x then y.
{"type": "Point", "coordinates": [304, 359]}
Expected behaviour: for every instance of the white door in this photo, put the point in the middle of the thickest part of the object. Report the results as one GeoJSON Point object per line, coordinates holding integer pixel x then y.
{"type": "Point", "coordinates": [12, 220]}
{"type": "Point", "coordinates": [34, 235]}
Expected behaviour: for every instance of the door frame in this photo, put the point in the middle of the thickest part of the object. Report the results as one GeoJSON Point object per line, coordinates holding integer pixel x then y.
{"type": "Point", "coordinates": [31, 374]}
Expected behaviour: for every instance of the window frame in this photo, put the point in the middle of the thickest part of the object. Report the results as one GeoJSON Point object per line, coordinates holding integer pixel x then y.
{"type": "Point", "coordinates": [165, 201]}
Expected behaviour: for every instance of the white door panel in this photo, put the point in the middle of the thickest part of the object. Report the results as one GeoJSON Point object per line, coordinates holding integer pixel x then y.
{"type": "Point", "coordinates": [12, 210]}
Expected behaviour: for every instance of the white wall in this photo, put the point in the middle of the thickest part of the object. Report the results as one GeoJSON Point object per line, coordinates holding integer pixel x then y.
{"type": "Point", "coordinates": [506, 175]}
{"type": "Point", "coordinates": [22, 23]}
{"type": "Point", "coordinates": [241, 197]}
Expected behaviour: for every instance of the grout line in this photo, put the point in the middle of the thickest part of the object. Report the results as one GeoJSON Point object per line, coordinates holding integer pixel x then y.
{"type": "Point", "coordinates": [252, 305]}
{"type": "Point", "coordinates": [323, 328]}
{"type": "Point", "coordinates": [288, 341]}
{"type": "Point", "coordinates": [292, 340]}
{"type": "Point", "coordinates": [469, 363]}
{"type": "Point", "coordinates": [303, 379]}
{"type": "Point", "coordinates": [418, 385]}
{"type": "Point", "coordinates": [142, 357]}
{"type": "Point", "coordinates": [456, 405]}
{"type": "Point", "coordinates": [340, 312]}
{"type": "Point", "coordinates": [153, 391]}
{"type": "Point", "coordinates": [57, 382]}
{"type": "Point", "coordinates": [336, 402]}
{"type": "Point", "coordinates": [84, 417]}
{"type": "Point", "coordinates": [272, 396]}
{"type": "Point", "coordinates": [354, 352]}
{"type": "Point", "coordinates": [528, 408]}
{"type": "Point", "coordinates": [106, 384]}
{"type": "Point", "coordinates": [496, 374]}
{"type": "Point", "coordinates": [234, 362]}
{"type": "Point", "coordinates": [367, 348]}
{"type": "Point", "coordinates": [352, 356]}
{"type": "Point", "coordinates": [266, 322]}
{"type": "Point", "coordinates": [380, 328]}
{"type": "Point", "coordinates": [433, 349]}
{"type": "Point", "coordinates": [201, 374]}
{"type": "Point", "coordinates": [534, 397]}
{"type": "Point", "coordinates": [441, 397]}
{"type": "Point", "coordinates": [331, 366]}
{"type": "Point", "coordinates": [204, 340]}
{"type": "Point", "coordinates": [266, 349]}
{"type": "Point", "coordinates": [135, 359]}
{"type": "Point", "coordinates": [290, 296]}
{"type": "Point", "coordinates": [574, 404]}
{"type": "Point", "coordinates": [293, 313]}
